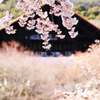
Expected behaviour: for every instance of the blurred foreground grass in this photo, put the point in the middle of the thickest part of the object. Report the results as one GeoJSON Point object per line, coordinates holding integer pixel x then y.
{"type": "Point", "coordinates": [27, 77]}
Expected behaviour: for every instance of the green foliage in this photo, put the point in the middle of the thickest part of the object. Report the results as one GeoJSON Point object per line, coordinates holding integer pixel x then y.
{"type": "Point", "coordinates": [83, 13]}
{"type": "Point", "coordinates": [91, 13]}
{"type": "Point", "coordinates": [79, 7]}
{"type": "Point", "coordinates": [88, 8]}
{"type": "Point", "coordinates": [87, 3]}
{"type": "Point", "coordinates": [94, 10]}
{"type": "Point", "coordinates": [91, 16]}
{"type": "Point", "coordinates": [10, 5]}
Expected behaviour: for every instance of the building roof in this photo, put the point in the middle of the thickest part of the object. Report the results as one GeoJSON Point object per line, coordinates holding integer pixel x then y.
{"type": "Point", "coordinates": [87, 21]}
{"type": "Point", "coordinates": [16, 20]}
{"type": "Point", "coordinates": [12, 22]}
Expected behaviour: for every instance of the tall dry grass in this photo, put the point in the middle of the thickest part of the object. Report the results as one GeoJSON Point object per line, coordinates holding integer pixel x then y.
{"type": "Point", "coordinates": [82, 76]}
{"type": "Point", "coordinates": [23, 76]}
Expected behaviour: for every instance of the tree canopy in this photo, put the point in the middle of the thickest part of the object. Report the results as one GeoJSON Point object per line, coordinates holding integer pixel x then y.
{"type": "Point", "coordinates": [88, 8]}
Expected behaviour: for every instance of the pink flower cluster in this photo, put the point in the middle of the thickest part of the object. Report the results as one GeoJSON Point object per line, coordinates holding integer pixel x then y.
{"type": "Point", "coordinates": [72, 33]}
{"type": "Point", "coordinates": [1, 1]}
{"type": "Point", "coordinates": [22, 21]}
{"type": "Point", "coordinates": [6, 22]}
{"type": "Point", "coordinates": [43, 27]}
{"type": "Point", "coordinates": [43, 24]}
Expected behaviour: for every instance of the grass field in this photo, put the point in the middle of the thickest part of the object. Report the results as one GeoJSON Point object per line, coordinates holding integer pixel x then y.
{"type": "Point", "coordinates": [26, 77]}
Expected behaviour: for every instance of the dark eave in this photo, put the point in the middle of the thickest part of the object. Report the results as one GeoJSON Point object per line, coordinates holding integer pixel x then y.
{"type": "Point", "coordinates": [87, 21]}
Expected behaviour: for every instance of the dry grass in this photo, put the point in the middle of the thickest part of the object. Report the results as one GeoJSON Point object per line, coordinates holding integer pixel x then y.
{"type": "Point", "coordinates": [27, 76]}
{"type": "Point", "coordinates": [83, 76]}
{"type": "Point", "coordinates": [96, 22]}
{"type": "Point", "coordinates": [23, 76]}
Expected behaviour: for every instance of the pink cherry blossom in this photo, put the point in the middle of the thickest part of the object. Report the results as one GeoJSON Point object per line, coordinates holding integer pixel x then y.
{"type": "Point", "coordinates": [1, 1]}
{"type": "Point", "coordinates": [60, 36]}
{"type": "Point", "coordinates": [47, 46]}
{"type": "Point", "coordinates": [43, 24]}
{"type": "Point", "coordinates": [72, 33]}
{"type": "Point", "coordinates": [6, 20]}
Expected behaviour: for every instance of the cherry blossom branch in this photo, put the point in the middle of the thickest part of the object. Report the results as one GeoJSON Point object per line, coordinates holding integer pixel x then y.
{"type": "Point", "coordinates": [43, 24]}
